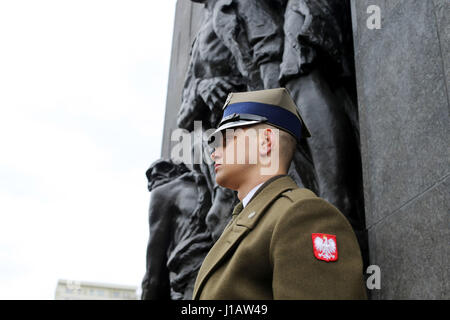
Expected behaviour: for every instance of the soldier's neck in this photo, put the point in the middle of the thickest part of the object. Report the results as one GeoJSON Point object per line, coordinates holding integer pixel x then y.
{"type": "Point", "coordinates": [246, 186]}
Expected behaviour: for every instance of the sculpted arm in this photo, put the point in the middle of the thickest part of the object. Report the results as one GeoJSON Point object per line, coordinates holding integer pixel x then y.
{"type": "Point", "coordinates": [156, 280]}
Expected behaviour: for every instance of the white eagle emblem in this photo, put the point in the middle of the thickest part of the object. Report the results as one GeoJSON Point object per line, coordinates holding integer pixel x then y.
{"type": "Point", "coordinates": [325, 247]}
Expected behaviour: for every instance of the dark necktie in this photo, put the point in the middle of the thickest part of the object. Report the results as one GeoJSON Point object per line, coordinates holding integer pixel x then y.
{"type": "Point", "coordinates": [237, 209]}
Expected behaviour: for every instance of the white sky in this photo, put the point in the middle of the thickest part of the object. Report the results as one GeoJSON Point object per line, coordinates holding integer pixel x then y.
{"type": "Point", "coordinates": [83, 87]}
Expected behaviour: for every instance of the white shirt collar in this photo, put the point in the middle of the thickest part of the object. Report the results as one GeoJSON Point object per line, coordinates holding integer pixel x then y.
{"type": "Point", "coordinates": [250, 194]}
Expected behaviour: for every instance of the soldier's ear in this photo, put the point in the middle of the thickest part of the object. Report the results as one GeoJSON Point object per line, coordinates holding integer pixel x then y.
{"type": "Point", "coordinates": [265, 140]}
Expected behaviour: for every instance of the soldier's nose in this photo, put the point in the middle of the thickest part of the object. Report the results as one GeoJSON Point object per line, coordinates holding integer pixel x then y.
{"type": "Point", "coordinates": [216, 156]}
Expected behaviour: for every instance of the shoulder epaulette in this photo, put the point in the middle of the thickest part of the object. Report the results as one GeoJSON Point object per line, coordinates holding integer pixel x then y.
{"type": "Point", "coordinates": [298, 194]}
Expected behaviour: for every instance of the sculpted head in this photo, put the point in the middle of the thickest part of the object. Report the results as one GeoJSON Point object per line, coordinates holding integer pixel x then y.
{"type": "Point", "coordinates": [163, 171]}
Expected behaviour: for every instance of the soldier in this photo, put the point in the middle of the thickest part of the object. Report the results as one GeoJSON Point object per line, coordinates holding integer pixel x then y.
{"type": "Point", "coordinates": [283, 242]}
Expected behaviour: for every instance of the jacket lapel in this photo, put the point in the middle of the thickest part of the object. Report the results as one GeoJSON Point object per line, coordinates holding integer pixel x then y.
{"type": "Point", "coordinates": [235, 232]}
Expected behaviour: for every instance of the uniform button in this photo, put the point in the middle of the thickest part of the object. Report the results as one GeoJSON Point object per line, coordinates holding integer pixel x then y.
{"type": "Point", "coordinates": [251, 215]}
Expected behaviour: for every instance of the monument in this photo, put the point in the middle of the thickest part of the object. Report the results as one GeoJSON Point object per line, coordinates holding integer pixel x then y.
{"type": "Point", "coordinates": [376, 103]}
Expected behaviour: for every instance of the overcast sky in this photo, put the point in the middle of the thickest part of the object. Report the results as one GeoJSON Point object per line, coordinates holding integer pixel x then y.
{"type": "Point", "coordinates": [83, 85]}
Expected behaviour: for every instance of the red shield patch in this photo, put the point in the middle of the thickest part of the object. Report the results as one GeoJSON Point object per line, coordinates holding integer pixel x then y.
{"type": "Point", "coordinates": [325, 246]}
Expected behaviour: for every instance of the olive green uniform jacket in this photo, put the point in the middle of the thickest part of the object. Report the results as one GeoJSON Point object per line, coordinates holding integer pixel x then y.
{"type": "Point", "coordinates": [267, 250]}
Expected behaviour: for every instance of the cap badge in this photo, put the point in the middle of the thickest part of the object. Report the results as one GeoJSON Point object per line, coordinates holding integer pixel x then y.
{"type": "Point", "coordinates": [325, 246]}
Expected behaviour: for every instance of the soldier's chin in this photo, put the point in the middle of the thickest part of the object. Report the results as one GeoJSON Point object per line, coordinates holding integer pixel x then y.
{"type": "Point", "coordinates": [223, 180]}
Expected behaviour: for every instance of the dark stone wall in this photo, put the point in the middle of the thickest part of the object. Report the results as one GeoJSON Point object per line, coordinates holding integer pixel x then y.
{"type": "Point", "coordinates": [402, 73]}
{"type": "Point", "coordinates": [188, 19]}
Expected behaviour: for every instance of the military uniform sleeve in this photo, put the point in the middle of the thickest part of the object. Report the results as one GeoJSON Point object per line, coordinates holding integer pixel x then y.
{"type": "Point", "coordinates": [297, 273]}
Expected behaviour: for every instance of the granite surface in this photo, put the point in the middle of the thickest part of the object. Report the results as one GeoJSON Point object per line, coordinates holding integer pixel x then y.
{"type": "Point", "coordinates": [402, 73]}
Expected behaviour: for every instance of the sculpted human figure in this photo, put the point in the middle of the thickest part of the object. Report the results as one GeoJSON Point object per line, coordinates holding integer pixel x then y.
{"type": "Point", "coordinates": [179, 239]}
{"type": "Point", "coordinates": [241, 41]}
{"type": "Point", "coordinates": [251, 30]}
{"type": "Point", "coordinates": [316, 71]}
{"type": "Point", "coordinates": [212, 73]}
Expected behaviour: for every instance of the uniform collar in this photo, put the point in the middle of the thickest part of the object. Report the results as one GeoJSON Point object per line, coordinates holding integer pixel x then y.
{"type": "Point", "coordinates": [249, 195]}
{"type": "Point", "coordinates": [259, 188]}
{"type": "Point", "coordinates": [263, 197]}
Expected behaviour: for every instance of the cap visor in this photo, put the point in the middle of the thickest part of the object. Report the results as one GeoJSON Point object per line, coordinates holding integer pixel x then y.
{"type": "Point", "coordinates": [240, 123]}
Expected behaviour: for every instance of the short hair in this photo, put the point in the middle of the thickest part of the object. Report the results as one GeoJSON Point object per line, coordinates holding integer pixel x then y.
{"type": "Point", "coordinates": [287, 142]}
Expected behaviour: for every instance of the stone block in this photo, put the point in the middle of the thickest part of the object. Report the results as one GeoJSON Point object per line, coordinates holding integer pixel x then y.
{"type": "Point", "coordinates": [188, 19]}
{"type": "Point", "coordinates": [411, 247]}
{"type": "Point", "coordinates": [404, 110]}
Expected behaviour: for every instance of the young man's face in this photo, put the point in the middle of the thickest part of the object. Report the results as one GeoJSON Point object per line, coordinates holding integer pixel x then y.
{"type": "Point", "coordinates": [237, 157]}
{"type": "Point", "coordinates": [231, 157]}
